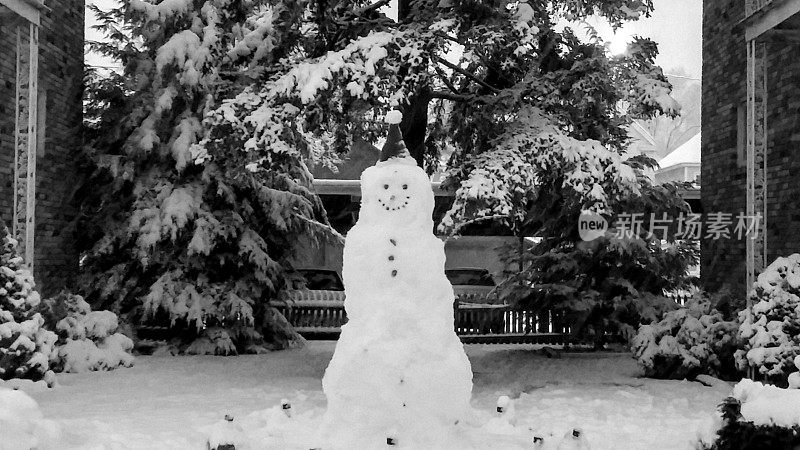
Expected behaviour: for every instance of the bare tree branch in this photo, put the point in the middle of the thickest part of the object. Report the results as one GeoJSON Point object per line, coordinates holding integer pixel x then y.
{"type": "Point", "coordinates": [466, 74]}
{"type": "Point", "coordinates": [455, 40]}
{"type": "Point", "coordinates": [452, 97]}
{"type": "Point", "coordinates": [448, 37]}
{"type": "Point", "coordinates": [447, 82]}
{"type": "Point", "coordinates": [372, 7]}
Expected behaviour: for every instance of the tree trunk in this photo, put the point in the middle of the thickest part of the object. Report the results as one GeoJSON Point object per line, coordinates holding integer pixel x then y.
{"type": "Point", "coordinates": [415, 114]}
{"type": "Point", "coordinates": [403, 9]}
{"type": "Point", "coordinates": [600, 335]}
{"type": "Point", "coordinates": [415, 126]}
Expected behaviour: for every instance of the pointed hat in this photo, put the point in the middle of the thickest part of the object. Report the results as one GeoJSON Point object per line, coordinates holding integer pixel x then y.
{"type": "Point", "coordinates": [394, 146]}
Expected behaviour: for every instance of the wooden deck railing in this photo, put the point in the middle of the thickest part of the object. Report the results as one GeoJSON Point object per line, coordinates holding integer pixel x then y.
{"type": "Point", "coordinates": [486, 323]}
{"type": "Point", "coordinates": [315, 317]}
{"type": "Point", "coordinates": [680, 297]}
{"type": "Point", "coordinates": [473, 322]}
{"type": "Point", "coordinates": [323, 315]}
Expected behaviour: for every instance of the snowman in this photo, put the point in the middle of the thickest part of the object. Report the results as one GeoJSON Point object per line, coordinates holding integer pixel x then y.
{"type": "Point", "coordinates": [399, 375]}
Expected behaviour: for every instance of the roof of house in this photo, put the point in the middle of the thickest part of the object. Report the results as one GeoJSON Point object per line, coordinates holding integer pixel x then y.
{"type": "Point", "coordinates": [689, 152]}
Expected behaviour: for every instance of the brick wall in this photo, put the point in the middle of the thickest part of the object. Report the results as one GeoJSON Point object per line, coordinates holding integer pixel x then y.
{"type": "Point", "coordinates": [783, 164]}
{"type": "Point", "coordinates": [61, 82]}
{"type": "Point", "coordinates": [7, 62]}
{"type": "Point", "coordinates": [723, 174]}
{"type": "Point", "coordinates": [723, 185]}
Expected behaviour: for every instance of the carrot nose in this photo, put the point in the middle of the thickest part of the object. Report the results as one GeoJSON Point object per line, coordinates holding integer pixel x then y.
{"type": "Point", "coordinates": [391, 198]}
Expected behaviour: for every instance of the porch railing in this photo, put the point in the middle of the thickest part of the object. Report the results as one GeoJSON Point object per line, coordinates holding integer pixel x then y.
{"type": "Point", "coordinates": [323, 316]}
{"type": "Point", "coordinates": [473, 322]}
{"type": "Point", "coordinates": [679, 297]}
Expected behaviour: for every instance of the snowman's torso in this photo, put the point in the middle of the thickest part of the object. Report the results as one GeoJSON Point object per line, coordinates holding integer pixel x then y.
{"type": "Point", "coordinates": [405, 275]}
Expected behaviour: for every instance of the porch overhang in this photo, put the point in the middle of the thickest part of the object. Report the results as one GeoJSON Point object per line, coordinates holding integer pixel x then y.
{"type": "Point", "coordinates": [771, 19]}
{"type": "Point", "coordinates": [29, 10]}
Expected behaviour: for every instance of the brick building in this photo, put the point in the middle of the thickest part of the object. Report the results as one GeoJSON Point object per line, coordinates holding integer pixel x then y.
{"type": "Point", "coordinates": [42, 41]}
{"type": "Point", "coordinates": [750, 133]}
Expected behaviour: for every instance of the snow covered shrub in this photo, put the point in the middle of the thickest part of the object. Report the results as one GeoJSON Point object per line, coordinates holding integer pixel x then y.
{"type": "Point", "coordinates": [25, 346]}
{"type": "Point", "coordinates": [770, 329]}
{"type": "Point", "coordinates": [88, 340]}
{"type": "Point", "coordinates": [758, 417]}
{"type": "Point", "coordinates": [215, 341]}
{"type": "Point", "coordinates": [687, 342]}
{"type": "Point", "coordinates": [22, 424]}
{"type": "Point", "coordinates": [606, 287]}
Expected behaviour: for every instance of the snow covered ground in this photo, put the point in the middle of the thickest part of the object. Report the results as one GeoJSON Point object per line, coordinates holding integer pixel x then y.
{"type": "Point", "coordinates": [170, 402]}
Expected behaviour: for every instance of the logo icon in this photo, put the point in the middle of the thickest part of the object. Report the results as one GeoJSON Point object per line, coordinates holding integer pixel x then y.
{"type": "Point", "coordinates": [591, 225]}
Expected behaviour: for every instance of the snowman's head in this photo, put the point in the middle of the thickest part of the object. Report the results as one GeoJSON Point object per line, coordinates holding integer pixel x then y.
{"type": "Point", "coordinates": [397, 192]}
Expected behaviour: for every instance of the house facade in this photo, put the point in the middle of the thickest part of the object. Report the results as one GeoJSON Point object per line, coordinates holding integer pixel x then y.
{"type": "Point", "coordinates": [750, 135]}
{"type": "Point", "coordinates": [681, 165]}
{"type": "Point", "coordinates": [41, 85]}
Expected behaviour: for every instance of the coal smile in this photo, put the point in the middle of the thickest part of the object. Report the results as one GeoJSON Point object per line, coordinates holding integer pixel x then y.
{"type": "Point", "coordinates": [389, 208]}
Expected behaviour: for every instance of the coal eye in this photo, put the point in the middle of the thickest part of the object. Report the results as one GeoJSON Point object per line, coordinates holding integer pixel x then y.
{"type": "Point", "coordinates": [386, 186]}
{"type": "Point", "coordinates": [405, 186]}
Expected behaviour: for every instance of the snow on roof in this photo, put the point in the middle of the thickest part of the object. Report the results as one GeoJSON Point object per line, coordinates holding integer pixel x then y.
{"type": "Point", "coordinates": [689, 152]}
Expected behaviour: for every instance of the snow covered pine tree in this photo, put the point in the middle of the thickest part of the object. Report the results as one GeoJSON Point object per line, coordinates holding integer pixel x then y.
{"type": "Point", "coordinates": [25, 347]}
{"type": "Point", "coordinates": [191, 227]}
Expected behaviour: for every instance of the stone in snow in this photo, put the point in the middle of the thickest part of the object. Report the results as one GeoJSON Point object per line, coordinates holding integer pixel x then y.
{"type": "Point", "coordinates": [225, 435]}
{"type": "Point", "coordinates": [574, 440]}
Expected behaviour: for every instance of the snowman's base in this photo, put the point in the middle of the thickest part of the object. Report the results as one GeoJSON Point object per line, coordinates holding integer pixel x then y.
{"type": "Point", "coordinates": [273, 429]}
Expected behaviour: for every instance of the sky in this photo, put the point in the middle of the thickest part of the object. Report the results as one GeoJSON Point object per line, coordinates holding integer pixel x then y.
{"type": "Point", "coordinates": [676, 25]}
{"type": "Point", "coordinates": [93, 59]}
